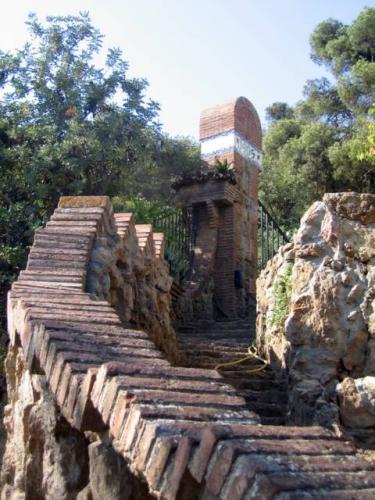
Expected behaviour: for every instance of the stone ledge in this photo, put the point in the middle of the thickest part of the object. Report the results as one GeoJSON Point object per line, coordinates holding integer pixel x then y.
{"type": "Point", "coordinates": [84, 201]}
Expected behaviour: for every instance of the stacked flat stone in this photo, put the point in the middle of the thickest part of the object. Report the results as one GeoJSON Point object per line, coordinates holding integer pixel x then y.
{"type": "Point", "coordinates": [145, 237]}
{"type": "Point", "coordinates": [183, 430]}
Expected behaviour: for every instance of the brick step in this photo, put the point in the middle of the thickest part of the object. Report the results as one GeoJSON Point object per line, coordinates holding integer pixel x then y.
{"type": "Point", "coordinates": [268, 485]}
{"type": "Point", "coordinates": [74, 231]}
{"type": "Point", "coordinates": [213, 349]}
{"type": "Point", "coordinates": [47, 243]}
{"type": "Point", "coordinates": [36, 264]}
{"type": "Point", "coordinates": [267, 396]}
{"type": "Point", "coordinates": [362, 494]}
{"type": "Point", "coordinates": [50, 283]}
{"type": "Point", "coordinates": [234, 348]}
{"type": "Point", "coordinates": [264, 409]}
{"type": "Point", "coordinates": [71, 306]}
{"type": "Point", "coordinates": [69, 223]}
{"type": "Point", "coordinates": [194, 327]}
{"type": "Point", "coordinates": [216, 325]}
{"type": "Point", "coordinates": [219, 357]}
{"type": "Point", "coordinates": [79, 210]}
{"type": "Point", "coordinates": [213, 334]}
{"type": "Point", "coordinates": [207, 357]}
{"type": "Point", "coordinates": [250, 467]}
{"type": "Point", "coordinates": [239, 372]}
{"type": "Point", "coordinates": [265, 420]}
{"type": "Point", "coordinates": [254, 383]}
{"type": "Point", "coordinates": [208, 344]}
{"type": "Point", "coordinates": [242, 340]}
{"type": "Point", "coordinates": [76, 216]}
{"type": "Point", "coordinates": [363, 436]}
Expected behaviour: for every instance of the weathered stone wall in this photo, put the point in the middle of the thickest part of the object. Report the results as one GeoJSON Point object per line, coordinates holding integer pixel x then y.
{"type": "Point", "coordinates": [321, 331]}
{"type": "Point", "coordinates": [127, 269]}
{"type": "Point", "coordinates": [46, 457]}
{"type": "Point", "coordinates": [43, 454]}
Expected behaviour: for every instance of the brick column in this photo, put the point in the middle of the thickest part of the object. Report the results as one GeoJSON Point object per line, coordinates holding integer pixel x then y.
{"type": "Point", "coordinates": [232, 132]}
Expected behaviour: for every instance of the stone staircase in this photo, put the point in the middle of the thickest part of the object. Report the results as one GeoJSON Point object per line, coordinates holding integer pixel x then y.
{"type": "Point", "coordinates": [207, 344]}
{"type": "Point", "coordinates": [183, 431]}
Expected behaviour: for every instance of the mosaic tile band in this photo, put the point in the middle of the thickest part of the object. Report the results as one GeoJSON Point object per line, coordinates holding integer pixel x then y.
{"type": "Point", "coordinates": [231, 141]}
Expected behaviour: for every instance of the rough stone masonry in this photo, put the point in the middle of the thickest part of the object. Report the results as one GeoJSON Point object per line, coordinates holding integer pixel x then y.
{"type": "Point", "coordinates": [325, 342]}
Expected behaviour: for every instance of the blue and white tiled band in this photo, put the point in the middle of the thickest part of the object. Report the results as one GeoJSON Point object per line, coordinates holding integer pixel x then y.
{"type": "Point", "coordinates": [230, 141]}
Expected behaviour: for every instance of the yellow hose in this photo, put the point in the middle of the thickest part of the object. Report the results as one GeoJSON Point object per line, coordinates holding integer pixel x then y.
{"type": "Point", "coordinates": [252, 350]}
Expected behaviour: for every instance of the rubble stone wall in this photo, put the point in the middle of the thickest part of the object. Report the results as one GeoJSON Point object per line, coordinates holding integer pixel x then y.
{"type": "Point", "coordinates": [320, 333]}
{"type": "Point", "coordinates": [127, 269]}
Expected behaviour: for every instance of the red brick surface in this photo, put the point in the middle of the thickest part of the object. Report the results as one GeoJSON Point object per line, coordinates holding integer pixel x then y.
{"type": "Point", "coordinates": [239, 115]}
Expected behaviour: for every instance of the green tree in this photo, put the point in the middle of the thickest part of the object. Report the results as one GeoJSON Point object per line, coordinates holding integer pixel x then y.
{"type": "Point", "coordinates": [324, 142]}
{"type": "Point", "coordinates": [74, 128]}
{"type": "Point", "coordinates": [278, 111]}
{"type": "Point", "coordinates": [164, 157]}
{"type": "Point", "coordinates": [70, 127]}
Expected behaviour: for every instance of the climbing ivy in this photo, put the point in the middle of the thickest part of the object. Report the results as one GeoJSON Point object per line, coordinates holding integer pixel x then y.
{"type": "Point", "coordinates": [281, 292]}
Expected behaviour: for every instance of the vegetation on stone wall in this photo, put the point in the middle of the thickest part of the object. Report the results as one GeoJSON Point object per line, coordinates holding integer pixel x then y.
{"type": "Point", "coordinates": [145, 210]}
{"type": "Point", "coordinates": [281, 294]}
{"type": "Point", "coordinates": [221, 170]}
{"type": "Point", "coordinates": [326, 142]}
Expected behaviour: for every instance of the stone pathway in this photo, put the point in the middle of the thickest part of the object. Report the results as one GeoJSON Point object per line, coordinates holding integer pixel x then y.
{"type": "Point", "coordinates": [207, 344]}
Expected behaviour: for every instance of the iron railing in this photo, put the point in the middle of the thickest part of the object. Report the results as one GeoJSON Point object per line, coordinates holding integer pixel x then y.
{"type": "Point", "coordinates": [270, 236]}
{"type": "Point", "coordinates": [179, 228]}
{"type": "Point", "coordinates": [179, 233]}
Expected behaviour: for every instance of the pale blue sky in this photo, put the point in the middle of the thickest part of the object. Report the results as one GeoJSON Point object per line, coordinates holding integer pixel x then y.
{"type": "Point", "coordinates": [198, 53]}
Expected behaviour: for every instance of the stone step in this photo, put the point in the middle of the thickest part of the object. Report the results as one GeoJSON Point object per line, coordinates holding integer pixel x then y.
{"type": "Point", "coordinates": [213, 334]}
{"type": "Point", "coordinates": [243, 373]}
{"type": "Point", "coordinates": [207, 344]}
{"type": "Point", "coordinates": [220, 356]}
{"type": "Point", "coordinates": [216, 328]}
{"type": "Point", "coordinates": [255, 383]}
{"type": "Point", "coordinates": [269, 396]}
{"type": "Point", "coordinates": [264, 409]}
{"type": "Point", "coordinates": [265, 420]}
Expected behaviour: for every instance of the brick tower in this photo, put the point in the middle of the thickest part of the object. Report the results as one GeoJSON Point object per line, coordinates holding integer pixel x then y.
{"type": "Point", "coordinates": [226, 214]}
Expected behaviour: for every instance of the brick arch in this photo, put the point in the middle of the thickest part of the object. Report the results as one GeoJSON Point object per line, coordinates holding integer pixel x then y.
{"type": "Point", "coordinates": [247, 122]}
{"type": "Point", "coordinates": [238, 114]}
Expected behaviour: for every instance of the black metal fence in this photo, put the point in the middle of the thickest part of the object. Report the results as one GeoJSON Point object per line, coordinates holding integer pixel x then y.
{"type": "Point", "coordinates": [270, 236]}
{"type": "Point", "coordinates": [179, 228]}
{"type": "Point", "coordinates": [179, 233]}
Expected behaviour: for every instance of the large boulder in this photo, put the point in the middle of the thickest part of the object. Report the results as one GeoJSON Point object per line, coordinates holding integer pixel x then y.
{"type": "Point", "coordinates": [320, 329]}
{"type": "Point", "coordinates": [357, 402]}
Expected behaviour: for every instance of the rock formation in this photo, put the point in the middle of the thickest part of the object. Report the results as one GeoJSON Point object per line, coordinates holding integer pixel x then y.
{"type": "Point", "coordinates": [316, 311]}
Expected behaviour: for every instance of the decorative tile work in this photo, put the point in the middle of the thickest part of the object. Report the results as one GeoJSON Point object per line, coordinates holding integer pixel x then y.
{"type": "Point", "coordinates": [230, 141]}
